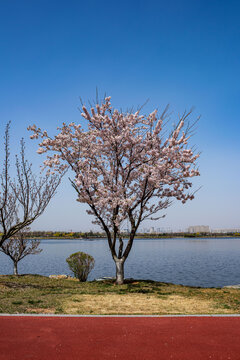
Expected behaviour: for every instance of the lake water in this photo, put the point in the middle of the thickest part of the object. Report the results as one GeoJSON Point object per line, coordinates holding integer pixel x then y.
{"type": "Point", "coordinates": [195, 262]}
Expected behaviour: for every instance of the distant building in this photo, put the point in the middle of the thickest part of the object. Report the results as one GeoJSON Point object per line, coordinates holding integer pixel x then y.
{"type": "Point", "coordinates": [223, 231]}
{"type": "Point", "coordinates": [199, 229]}
{"type": "Point", "coordinates": [164, 230]}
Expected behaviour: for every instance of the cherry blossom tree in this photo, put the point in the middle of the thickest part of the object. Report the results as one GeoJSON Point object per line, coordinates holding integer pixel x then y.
{"type": "Point", "coordinates": [126, 168]}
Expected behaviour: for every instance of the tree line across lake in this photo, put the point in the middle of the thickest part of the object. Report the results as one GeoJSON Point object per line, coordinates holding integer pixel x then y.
{"type": "Point", "coordinates": [96, 234]}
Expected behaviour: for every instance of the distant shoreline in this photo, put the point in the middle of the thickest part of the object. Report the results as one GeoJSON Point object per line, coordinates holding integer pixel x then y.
{"type": "Point", "coordinates": [224, 236]}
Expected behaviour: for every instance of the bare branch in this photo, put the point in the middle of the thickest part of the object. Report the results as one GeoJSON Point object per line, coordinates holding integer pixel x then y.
{"type": "Point", "coordinates": [18, 247]}
{"type": "Point", "coordinates": [23, 198]}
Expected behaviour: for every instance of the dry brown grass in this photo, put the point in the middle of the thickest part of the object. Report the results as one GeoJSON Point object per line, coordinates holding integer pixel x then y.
{"type": "Point", "coordinates": [39, 294]}
{"type": "Point", "coordinates": [139, 304]}
{"type": "Point", "coordinates": [3, 287]}
{"type": "Point", "coordinates": [40, 311]}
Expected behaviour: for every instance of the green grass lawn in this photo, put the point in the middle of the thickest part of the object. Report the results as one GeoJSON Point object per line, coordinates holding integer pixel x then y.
{"type": "Point", "coordinates": [39, 294]}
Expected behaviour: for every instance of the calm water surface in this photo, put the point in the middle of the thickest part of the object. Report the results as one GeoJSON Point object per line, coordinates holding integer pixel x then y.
{"type": "Point", "coordinates": [195, 262]}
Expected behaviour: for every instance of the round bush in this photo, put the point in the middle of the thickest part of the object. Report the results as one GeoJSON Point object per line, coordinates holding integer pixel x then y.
{"type": "Point", "coordinates": [80, 264]}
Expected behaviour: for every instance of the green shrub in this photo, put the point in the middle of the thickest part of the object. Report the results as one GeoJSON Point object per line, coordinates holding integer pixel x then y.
{"type": "Point", "coordinates": [80, 264]}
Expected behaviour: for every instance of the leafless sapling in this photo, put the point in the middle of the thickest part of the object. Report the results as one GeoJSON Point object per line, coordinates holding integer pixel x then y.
{"type": "Point", "coordinates": [23, 198]}
{"type": "Point", "coordinates": [18, 247]}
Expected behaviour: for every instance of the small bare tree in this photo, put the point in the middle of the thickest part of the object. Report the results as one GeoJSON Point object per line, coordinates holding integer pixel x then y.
{"type": "Point", "coordinates": [18, 247]}
{"type": "Point", "coordinates": [23, 198]}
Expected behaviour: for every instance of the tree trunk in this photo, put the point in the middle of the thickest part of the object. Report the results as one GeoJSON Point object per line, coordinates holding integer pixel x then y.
{"type": "Point", "coordinates": [119, 271]}
{"type": "Point", "coordinates": [15, 269]}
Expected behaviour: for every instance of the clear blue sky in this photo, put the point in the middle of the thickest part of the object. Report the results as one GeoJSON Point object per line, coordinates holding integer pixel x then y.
{"type": "Point", "coordinates": [185, 53]}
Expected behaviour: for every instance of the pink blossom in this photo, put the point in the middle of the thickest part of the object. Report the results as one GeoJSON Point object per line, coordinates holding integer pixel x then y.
{"type": "Point", "coordinates": [121, 163]}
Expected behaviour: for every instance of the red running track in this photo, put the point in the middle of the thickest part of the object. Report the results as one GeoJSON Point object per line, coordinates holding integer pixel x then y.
{"type": "Point", "coordinates": [125, 338]}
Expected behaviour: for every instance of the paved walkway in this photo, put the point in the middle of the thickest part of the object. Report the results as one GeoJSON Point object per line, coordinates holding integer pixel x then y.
{"type": "Point", "coordinates": [125, 338]}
